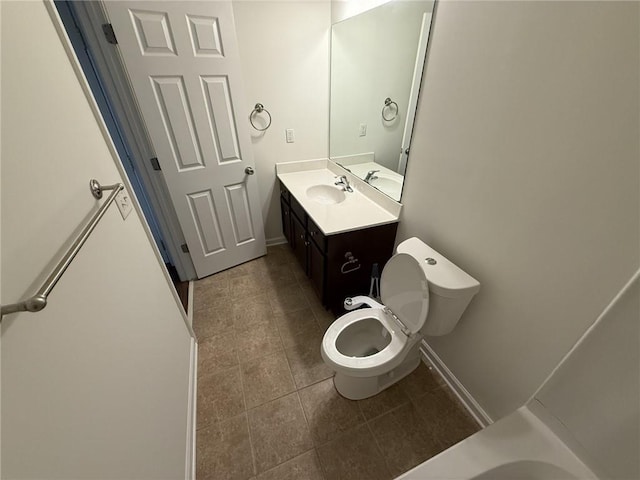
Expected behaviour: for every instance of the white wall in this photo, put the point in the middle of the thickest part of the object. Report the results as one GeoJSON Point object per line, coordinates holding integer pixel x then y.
{"type": "Point", "coordinates": [595, 393]}
{"type": "Point", "coordinates": [525, 173]}
{"type": "Point", "coordinates": [343, 9]}
{"type": "Point", "coordinates": [284, 50]}
{"type": "Point", "coordinates": [95, 385]}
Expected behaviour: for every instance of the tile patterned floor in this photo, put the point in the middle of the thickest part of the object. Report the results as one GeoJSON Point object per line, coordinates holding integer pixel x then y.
{"type": "Point", "coordinates": [267, 408]}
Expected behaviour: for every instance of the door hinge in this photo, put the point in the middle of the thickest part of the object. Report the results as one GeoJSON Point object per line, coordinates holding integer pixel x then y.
{"type": "Point", "coordinates": [109, 34]}
{"type": "Point", "coordinates": [155, 164]}
{"type": "Point", "coordinates": [184, 248]}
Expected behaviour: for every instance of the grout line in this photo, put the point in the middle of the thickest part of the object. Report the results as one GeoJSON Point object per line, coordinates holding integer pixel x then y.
{"type": "Point", "coordinates": [253, 453]}
{"type": "Point", "coordinates": [377, 444]}
{"type": "Point", "coordinates": [397, 407]}
{"type": "Point", "coordinates": [323, 471]}
{"type": "Point", "coordinates": [244, 400]}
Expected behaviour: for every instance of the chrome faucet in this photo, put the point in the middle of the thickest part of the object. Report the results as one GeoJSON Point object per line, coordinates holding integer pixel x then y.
{"type": "Point", "coordinates": [370, 176]}
{"type": "Point", "coordinates": [344, 183]}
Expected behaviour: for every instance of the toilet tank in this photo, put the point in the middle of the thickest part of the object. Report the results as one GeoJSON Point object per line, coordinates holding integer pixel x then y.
{"type": "Point", "coordinates": [450, 288]}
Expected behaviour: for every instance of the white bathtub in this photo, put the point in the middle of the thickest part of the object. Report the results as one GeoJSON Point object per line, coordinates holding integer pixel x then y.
{"type": "Point", "coordinates": [517, 447]}
{"type": "Point", "coordinates": [525, 470]}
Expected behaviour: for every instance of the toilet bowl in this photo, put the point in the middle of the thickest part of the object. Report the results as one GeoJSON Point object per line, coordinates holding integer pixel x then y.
{"type": "Point", "coordinates": [372, 348]}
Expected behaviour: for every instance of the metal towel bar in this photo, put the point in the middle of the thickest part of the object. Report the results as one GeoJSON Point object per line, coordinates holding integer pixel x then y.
{"type": "Point", "coordinates": [38, 301]}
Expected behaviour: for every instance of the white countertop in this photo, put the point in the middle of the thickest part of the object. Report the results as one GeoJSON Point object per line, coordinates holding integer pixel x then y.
{"type": "Point", "coordinates": [385, 180]}
{"type": "Point", "coordinates": [364, 207]}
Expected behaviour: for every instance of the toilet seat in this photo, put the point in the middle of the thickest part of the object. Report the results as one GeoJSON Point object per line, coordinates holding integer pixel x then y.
{"type": "Point", "coordinates": [405, 292]}
{"type": "Point", "coordinates": [383, 361]}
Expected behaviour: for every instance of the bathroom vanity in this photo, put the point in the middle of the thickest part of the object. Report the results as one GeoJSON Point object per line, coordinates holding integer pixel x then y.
{"type": "Point", "coordinates": [336, 235]}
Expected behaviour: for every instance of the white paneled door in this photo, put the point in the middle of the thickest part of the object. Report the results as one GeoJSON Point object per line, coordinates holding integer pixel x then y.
{"type": "Point", "coordinates": [183, 64]}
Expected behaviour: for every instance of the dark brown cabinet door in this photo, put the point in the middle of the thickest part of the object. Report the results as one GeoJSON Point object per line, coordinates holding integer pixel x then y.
{"type": "Point", "coordinates": [285, 212]}
{"type": "Point", "coordinates": [317, 262]}
{"type": "Point", "coordinates": [299, 241]}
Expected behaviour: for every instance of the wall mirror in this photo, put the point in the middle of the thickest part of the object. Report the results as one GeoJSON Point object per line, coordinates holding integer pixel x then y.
{"type": "Point", "coordinates": [377, 59]}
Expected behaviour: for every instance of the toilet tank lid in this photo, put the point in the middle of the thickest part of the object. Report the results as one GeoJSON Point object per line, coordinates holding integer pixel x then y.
{"type": "Point", "coordinates": [445, 278]}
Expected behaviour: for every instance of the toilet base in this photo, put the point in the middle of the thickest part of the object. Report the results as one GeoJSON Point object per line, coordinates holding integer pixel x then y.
{"type": "Point", "coordinates": [358, 388]}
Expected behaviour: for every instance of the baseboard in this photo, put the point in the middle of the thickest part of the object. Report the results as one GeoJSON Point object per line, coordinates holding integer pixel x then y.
{"type": "Point", "coordinates": [190, 304]}
{"type": "Point", "coordinates": [276, 241]}
{"type": "Point", "coordinates": [190, 460]}
{"type": "Point", "coordinates": [431, 358]}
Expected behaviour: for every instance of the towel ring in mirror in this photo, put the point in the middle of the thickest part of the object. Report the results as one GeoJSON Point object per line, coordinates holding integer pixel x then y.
{"type": "Point", "coordinates": [387, 103]}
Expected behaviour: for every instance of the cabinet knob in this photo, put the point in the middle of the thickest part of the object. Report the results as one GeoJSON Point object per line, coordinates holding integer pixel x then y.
{"type": "Point", "coordinates": [286, 213]}
{"type": "Point", "coordinates": [312, 233]}
{"type": "Point", "coordinates": [302, 236]}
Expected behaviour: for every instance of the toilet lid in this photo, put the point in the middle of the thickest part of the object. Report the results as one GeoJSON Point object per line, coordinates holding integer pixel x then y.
{"type": "Point", "coordinates": [404, 289]}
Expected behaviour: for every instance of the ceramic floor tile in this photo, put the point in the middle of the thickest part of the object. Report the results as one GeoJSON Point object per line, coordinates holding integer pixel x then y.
{"type": "Point", "coordinates": [206, 297]}
{"type": "Point", "coordinates": [214, 320]}
{"type": "Point", "coordinates": [250, 312]}
{"type": "Point", "coordinates": [303, 467]}
{"type": "Point", "coordinates": [237, 271]}
{"type": "Point", "coordinates": [257, 266]}
{"type": "Point", "coordinates": [448, 419]}
{"type": "Point", "coordinates": [353, 456]}
{"type": "Point", "coordinates": [310, 293]}
{"type": "Point", "coordinates": [288, 299]}
{"type": "Point", "coordinates": [306, 362]}
{"type": "Point", "coordinates": [277, 276]}
{"type": "Point", "coordinates": [223, 451]}
{"type": "Point", "coordinates": [217, 353]}
{"type": "Point", "coordinates": [297, 326]}
{"type": "Point", "coordinates": [383, 402]}
{"type": "Point", "coordinates": [404, 438]}
{"type": "Point", "coordinates": [280, 254]}
{"type": "Point", "coordinates": [258, 341]}
{"type": "Point", "coordinates": [324, 318]}
{"type": "Point", "coordinates": [420, 381]}
{"type": "Point", "coordinates": [328, 414]}
{"type": "Point", "coordinates": [220, 396]}
{"type": "Point", "coordinates": [247, 286]}
{"type": "Point", "coordinates": [266, 378]}
{"type": "Point", "coordinates": [213, 286]}
{"type": "Point", "coordinates": [279, 432]}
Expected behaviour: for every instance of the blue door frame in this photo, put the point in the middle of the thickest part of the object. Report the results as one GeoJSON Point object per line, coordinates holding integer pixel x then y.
{"type": "Point", "coordinates": [66, 11]}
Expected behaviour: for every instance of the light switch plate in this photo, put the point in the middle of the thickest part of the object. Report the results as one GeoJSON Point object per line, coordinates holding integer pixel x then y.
{"type": "Point", "coordinates": [290, 135]}
{"type": "Point", "coordinates": [123, 201]}
{"type": "Point", "coordinates": [363, 129]}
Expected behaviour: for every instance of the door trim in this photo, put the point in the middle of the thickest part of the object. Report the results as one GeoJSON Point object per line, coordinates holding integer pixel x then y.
{"type": "Point", "coordinates": [416, 84]}
{"type": "Point", "coordinates": [66, 43]}
{"type": "Point", "coordinates": [91, 16]}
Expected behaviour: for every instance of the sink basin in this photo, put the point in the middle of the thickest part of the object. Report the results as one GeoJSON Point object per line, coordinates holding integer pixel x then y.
{"type": "Point", "coordinates": [326, 194]}
{"type": "Point", "coordinates": [385, 182]}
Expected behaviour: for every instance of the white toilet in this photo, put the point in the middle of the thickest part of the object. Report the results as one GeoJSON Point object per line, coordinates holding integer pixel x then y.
{"type": "Point", "coordinates": [422, 293]}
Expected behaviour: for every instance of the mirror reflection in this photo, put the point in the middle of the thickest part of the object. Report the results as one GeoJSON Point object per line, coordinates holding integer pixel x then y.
{"type": "Point", "coordinates": [377, 58]}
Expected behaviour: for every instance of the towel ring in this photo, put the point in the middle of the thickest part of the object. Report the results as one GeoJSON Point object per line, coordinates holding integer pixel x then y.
{"type": "Point", "coordinates": [387, 103]}
{"type": "Point", "coordinates": [259, 108]}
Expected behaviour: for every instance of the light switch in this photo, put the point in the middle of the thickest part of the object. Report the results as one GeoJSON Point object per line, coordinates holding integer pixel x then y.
{"type": "Point", "coordinates": [363, 129]}
{"type": "Point", "coordinates": [290, 135]}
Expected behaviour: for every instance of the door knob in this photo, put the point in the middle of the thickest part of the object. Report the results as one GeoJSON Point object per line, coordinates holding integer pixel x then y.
{"type": "Point", "coordinates": [249, 171]}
